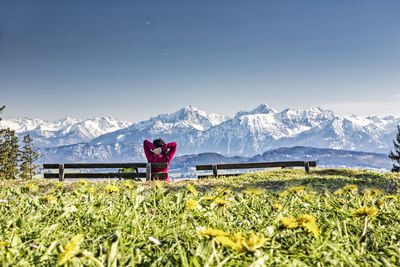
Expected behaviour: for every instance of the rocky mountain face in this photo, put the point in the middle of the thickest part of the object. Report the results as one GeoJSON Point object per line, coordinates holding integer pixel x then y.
{"type": "Point", "coordinates": [246, 134]}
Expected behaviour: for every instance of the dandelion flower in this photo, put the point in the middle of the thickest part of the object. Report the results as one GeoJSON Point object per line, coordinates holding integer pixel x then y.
{"type": "Point", "coordinates": [4, 243]}
{"type": "Point", "coordinates": [192, 189]}
{"type": "Point", "coordinates": [311, 228]}
{"type": "Point", "coordinates": [128, 185]}
{"type": "Point", "coordinates": [208, 198]}
{"type": "Point", "coordinates": [289, 223]}
{"type": "Point", "coordinates": [283, 194]}
{"type": "Point", "coordinates": [191, 204]}
{"type": "Point", "coordinates": [306, 218]}
{"type": "Point", "coordinates": [370, 192]}
{"type": "Point", "coordinates": [50, 199]}
{"type": "Point", "coordinates": [252, 191]}
{"type": "Point", "coordinates": [71, 249]}
{"type": "Point", "coordinates": [220, 201]}
{"type": "Point", "coordinates": [350, 188]}
{"type": "Point", "coordinates": [91, 190]}
{"type": "Point", "coordinates": [109, 188]}
{"type": "Point", "coordinates": [380, 203]}
{"type": "Point", "coordinates": [226, 241]}
{"type": "Point", "coordinates": [392, 197]}
{"type": "Point", "coordinates": [253, 242]}
{"type": "Point", "coordinates": [212, 232]}
{"type": "Point", "coordinates": [32, 187]}
{"type": "Point", "coordinates": [296, 189]}
{"type": "Point", "coordinates": [366, 211]}
{"type": "Point", "coordinates": [277, 206]}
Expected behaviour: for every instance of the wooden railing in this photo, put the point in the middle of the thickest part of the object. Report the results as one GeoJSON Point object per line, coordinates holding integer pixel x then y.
{"type": "Point", "coordinates": [61, 175]}
{"type": "Point", "coordinates": [255, 165]}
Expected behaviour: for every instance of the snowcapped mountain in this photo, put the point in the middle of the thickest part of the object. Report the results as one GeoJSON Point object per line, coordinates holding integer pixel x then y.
{"type": "Point", "coordinates": [63, 132]}
{"type": "Point", "coordinates": [184, 126]}
{"type": "Point", "coordinates": [246, 134]}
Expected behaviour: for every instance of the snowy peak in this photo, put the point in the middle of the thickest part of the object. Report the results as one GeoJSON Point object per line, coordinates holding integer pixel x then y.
{"type": "Point", "coordinates": [261, 109]}
{"type": "Point", "coordinates": [66, 131]}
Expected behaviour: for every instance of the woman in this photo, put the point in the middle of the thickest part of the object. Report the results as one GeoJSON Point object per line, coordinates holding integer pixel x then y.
{"type": "Point", "coordinates": [159, 152]}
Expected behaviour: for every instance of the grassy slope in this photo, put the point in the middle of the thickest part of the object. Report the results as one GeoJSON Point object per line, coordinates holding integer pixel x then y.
{"type": "Point", "coordinates": [28, 220]}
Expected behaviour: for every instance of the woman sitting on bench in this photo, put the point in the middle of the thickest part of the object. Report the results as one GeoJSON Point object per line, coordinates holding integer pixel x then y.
{"type": "Point", "coordinates": [159, 152]}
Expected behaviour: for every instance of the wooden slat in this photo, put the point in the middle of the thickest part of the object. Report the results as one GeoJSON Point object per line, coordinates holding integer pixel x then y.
{"type": "Point", "coordinates": [256, 165]}
{"type": "Point", "coordinates": [106, 175]}
{"type": "Point", "coordinates": [103, 165]}
{"type": "Point", "coordinates": [224, 174]}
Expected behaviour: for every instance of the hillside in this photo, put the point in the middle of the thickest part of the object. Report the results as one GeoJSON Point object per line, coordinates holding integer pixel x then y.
{"type": "Point", "coordinates": [329, 217]}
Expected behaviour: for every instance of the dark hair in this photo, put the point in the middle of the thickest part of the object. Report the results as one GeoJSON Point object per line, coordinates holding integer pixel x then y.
{"type": "Point", "coordinates": [158, 143]}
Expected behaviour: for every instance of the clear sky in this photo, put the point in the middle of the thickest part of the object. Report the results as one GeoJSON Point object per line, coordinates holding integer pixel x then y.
{"type": "Point", "coordinates": [135, 59]}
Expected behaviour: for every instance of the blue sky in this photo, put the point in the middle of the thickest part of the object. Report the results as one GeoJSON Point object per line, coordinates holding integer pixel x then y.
{"type": "Point", "coordinates": [136, 59]}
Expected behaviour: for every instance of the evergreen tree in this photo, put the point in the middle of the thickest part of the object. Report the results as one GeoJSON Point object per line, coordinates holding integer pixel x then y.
{"type": "Point", "coordinates": [1, 110]}
{"type": "Point", "coordinates": [9, 154]}
{"type": "Point", "coordinates": [395, 156]}
{"type": "Point", "coordinates": [28, 157]}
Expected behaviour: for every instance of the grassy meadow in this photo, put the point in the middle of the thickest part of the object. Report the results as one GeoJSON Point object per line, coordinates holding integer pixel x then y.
{"type": "Point", "coordinates": [285, 218]}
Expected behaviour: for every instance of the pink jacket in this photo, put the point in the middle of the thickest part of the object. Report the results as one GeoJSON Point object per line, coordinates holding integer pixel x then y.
{"type": "Point", "coordinates": [168, 152]}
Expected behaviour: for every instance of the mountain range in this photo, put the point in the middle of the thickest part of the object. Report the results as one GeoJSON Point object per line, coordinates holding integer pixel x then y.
{"type": "Point", "coordinates": [246, 134]}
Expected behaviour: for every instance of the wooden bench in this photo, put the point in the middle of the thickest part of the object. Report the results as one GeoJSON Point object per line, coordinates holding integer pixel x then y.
{"type": "Point", "coordinates": [62, 166]}
{"type": "Point", "coordinates": [256, 165]}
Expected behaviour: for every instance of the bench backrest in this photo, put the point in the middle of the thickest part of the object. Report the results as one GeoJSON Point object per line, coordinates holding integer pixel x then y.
{"type": "Point", "coordinates": [254, 165]}
{"type": "Point", "coordinates": [62, 166]}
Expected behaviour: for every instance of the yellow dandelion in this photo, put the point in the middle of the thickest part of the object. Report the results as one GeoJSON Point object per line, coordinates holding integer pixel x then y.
{"type": "Point", "coordinates": [380, 203]}
{"type": "Point", "coordinates": [50, 199]}
{"type": "Point", "coordinates": [252, 191]}
{"type": "Point", "coordinates": [283, 194]}
{"type": "Point", "coordinates": [311, 228]}
{"type": "Point", "coordinates": [289, 223]}
{"type": "Point", "coordinates": [83, 182]}
{"type": "Point", "coordinates": [209, 198]}
{"type": "Point", "coordinates": [221, 202]}
{"type": "Point", "coordinates": [296, 189]}
{"type": "Point", "coordinates": [306, 218]}
{"type": "Point", "coordinates": [192, 189]}
{"type": "Point", "coordinates": [191, 204]}
{"type": "Point", "coordinates": [109, 188]}
{"type": "Point", "coordinates": [253, 242]}
{"type": "Point", "coordinates": [4, 243]}
{"type": "Point", "coordinates": [32, 187]}
{"type": "Point", "coordinates": [71, 249]}
{"type": "Point", "coordinates": [366, 211]}
{"type": "Point", "coordinates": [370, 192]}
{"type": "Point", "coordinates": [212, 232]}
{"type": "Point", "coordinates": [128, 185]}
{"type": "Point", "coordinates": [240, 243]}
{"type": "Point", "coordinates": [277, 206]}
{"type": "Point", "coordinates": [226, 242]}
{"type": "Point", "coordinates": [392, 197]}
{"type": "Point", "coordinates": [350, 188]}
{"type": "Point", "coordinates": [91, 190]}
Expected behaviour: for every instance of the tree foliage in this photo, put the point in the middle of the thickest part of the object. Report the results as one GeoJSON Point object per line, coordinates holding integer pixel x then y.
{"type": "Point", "coordinates": [14, 161]}
{"type": "Point", "coordinates": [28, 157]}
{"type": "Point", "coordinates": [395, 156]}
{"type": "Point", "coordinates": [9, 154]}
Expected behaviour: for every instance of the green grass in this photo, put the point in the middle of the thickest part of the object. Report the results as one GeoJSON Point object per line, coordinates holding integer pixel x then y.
{"type": "Point", "coordinates": [116, 226]}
